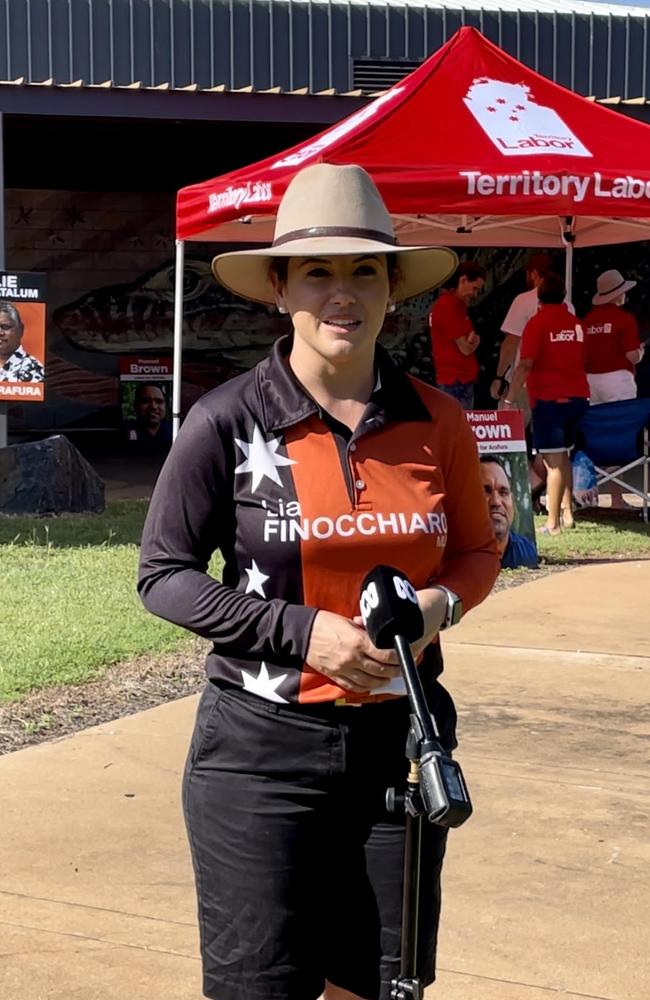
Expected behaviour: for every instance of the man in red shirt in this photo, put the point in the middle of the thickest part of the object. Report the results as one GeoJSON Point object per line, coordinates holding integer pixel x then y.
{"type": "Point", "coordinates": [453, 340]}
{"type": "Point", "coordinates": [553, 368]}
{"type": "Point", "coordinates": [612, 344]}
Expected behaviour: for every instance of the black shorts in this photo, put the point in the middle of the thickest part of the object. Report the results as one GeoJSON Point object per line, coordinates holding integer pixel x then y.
{"type": "Point", "coordinates": [555, 424]}
{"type": "Point", "coordinates": [298, 864]}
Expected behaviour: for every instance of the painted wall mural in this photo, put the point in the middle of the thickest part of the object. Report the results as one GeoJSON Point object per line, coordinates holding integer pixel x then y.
{"type": "Point", "coordinates": [109, 261]}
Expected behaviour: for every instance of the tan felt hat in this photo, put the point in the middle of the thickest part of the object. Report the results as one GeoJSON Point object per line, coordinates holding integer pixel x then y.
{"type": "Point", "coordinates": [332, 210]}
{"type": "Point", "coordinates": [610, 285]}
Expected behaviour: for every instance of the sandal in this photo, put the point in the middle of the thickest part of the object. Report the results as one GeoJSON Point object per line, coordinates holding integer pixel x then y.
{"type": "Point", "coordinates": [547, 531]}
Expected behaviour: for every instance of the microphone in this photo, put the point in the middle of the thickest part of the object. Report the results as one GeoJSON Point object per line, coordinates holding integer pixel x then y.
{"type": "Point", "coordinates": [393, 619]}
{"type": "Point", "coordinates": [389, 607]}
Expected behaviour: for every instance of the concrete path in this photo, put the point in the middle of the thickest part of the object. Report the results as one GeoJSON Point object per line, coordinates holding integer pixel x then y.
{"type": "Point", "coordinates": [546, 888]}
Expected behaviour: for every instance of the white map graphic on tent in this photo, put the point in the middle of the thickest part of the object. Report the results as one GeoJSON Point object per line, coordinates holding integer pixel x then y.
{"type": "Point", "coordinates": [517, 126]}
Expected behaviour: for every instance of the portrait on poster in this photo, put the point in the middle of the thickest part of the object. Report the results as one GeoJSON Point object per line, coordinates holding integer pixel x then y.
{"type": "Point", "coordinates": [22, 337]}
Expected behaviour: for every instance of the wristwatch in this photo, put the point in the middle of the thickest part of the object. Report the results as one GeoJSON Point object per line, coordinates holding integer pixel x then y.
{"type": "Point", "coordinates": [454, 607]}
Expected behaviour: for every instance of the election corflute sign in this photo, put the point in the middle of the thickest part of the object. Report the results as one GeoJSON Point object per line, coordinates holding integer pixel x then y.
{"type": "Point", "coordinates": [22, 337]}
{"type": "Point", "coordinates": [501, 442]}
{"type": "Point", "coordinates": [146, 397]}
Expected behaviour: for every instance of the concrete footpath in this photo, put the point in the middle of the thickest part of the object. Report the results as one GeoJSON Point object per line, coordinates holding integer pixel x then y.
{"type": "Point", "coordinates": [547, 888]}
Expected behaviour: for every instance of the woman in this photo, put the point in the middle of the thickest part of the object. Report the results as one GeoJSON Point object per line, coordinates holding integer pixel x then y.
{"type": "Point", "coordinates": [613, 350]}
{"type": "Point", "coordinates": [306, 472]}
{"type": "Point", "coordinates": [552, 366]}
{"type": "Point", "coordinates": [612, 347]}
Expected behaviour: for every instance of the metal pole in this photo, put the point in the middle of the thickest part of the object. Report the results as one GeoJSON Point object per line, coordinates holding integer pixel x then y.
{"type": "Point", "coordinates": [568, 238]}
{"type": "Point", "coordinates": [178, 337]}
{"type": "Point", "coordinates": [568, 270]}
{"type": "Point", "coordinates": [4, 419]}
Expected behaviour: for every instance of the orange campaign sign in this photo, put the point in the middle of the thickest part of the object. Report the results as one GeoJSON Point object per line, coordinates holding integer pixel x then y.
{"type": "Point", "coordinates": [22, 337]}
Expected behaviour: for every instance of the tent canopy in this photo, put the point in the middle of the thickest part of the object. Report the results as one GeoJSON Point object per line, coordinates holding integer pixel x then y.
{"type": "Point", "coordinates": [471, 148]}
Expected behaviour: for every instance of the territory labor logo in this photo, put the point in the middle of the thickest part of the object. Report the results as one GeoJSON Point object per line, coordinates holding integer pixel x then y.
{"type": "Point", "coordinates": [516, 124]}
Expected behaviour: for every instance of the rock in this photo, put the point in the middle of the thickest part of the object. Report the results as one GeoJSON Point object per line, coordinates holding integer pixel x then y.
{"type": "Point", "coordinates": [48, 477]}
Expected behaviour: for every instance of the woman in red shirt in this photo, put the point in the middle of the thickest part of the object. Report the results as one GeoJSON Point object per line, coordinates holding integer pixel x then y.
{"type": "Point", "coordinates": [552, 366]}
{"type": "Point", "coordinates": [453, 340]}
{"type": "Point", "coordinates": [612, 341]}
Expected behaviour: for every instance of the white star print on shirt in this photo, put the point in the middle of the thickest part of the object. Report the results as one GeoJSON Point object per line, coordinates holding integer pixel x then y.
{"type": "Point", "coordinates": [263, 685]}
{"type": "Point", "coordinates": [261, 458]}
{"type": "Point", "coordinates": [256, 580]}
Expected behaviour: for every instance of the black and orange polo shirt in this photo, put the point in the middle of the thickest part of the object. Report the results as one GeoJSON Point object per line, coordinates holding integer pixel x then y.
{"type": "Point", "coordinates": [301, 509]}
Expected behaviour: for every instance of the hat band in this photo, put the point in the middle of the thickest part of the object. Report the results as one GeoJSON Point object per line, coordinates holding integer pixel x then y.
{"type": "Point", "coordinates": [614, 289]}
{"type": "Point", "coordinates": [352, 232]}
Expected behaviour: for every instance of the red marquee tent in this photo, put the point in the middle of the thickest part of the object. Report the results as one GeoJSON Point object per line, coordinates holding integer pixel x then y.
{"type": "Point", "coordinates": [471, 148]}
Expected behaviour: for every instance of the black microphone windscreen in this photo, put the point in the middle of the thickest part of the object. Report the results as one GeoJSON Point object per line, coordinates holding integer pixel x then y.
{"type": "Point", "coordinates": [389, 607]}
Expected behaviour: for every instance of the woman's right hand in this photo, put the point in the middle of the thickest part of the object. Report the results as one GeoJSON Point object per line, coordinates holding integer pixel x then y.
{"type": "Point", "coordinates": [342, 651]}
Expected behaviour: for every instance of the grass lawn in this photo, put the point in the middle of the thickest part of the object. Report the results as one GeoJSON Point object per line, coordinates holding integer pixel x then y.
{"type": "Point", "coordinates": [67, 590]}
{"type": "Point", "coordinates": [598, 534]}
{"type": "Point", "coordinates": [70, 609]}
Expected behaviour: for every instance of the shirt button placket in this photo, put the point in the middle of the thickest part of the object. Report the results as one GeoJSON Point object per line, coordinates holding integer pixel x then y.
{"type": "Point", "coordinates": [359, 484]}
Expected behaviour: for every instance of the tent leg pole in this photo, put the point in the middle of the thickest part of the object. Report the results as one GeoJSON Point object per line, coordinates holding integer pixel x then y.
{"type": "Point", "coordinates": [568, 271]}
{"type": "Point", "coordinates": [178, 337]}
{"type": "Point", "coordinates": [4, 411]}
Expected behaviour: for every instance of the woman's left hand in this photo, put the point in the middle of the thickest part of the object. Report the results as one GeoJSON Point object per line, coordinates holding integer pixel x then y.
{"type": "Point", "coordinates": [433, 604]}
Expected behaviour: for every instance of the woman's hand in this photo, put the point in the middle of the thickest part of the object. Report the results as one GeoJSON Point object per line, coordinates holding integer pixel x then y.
{"type": "Point", "coordinates": [341, 650]}
{"type": "Point", "coordinates": [433, 604]}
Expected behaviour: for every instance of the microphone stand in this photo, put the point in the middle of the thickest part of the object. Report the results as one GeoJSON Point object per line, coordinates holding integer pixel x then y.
{"type": "Point", "coordinates": [423, 737]}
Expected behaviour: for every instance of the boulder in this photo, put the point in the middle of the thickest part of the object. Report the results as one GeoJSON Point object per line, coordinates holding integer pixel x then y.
{"type": "Point", "coordinates": [48, 477]}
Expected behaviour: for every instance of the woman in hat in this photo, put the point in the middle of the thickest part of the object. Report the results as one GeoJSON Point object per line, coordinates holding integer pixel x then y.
{"type": "Point", "coordinates": [613, 349]}
{"type": "Point", "coordinates": [306, 472]}
{"type": "Point", "coordinates": [613, 346]}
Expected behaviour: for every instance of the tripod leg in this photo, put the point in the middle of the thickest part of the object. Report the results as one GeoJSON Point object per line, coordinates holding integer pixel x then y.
{"type": "Point", "coordinates": [407, 986]}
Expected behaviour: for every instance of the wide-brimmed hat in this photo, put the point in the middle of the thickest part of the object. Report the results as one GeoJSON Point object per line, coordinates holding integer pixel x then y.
{"type": "Point", "coordinates": [610, 285]}
{"type": "Point", "coordinates": [332, 210]}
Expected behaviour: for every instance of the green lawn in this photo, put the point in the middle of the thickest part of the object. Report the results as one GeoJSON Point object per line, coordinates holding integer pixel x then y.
{"type": "Point", "coordinates": [598, 534]}
{"type": "Point", "coordinates": [67, 590]}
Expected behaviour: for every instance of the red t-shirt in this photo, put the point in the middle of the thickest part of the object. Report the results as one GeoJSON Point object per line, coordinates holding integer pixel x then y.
{"type": "Point", "coordinates": [610, 332]}
{"type": "Point", "coordinates": [553, 339]}
{"type": "Point", "coordinates": [448, 320]}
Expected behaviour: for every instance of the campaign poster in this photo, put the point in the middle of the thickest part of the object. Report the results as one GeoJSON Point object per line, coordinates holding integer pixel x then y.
{"type": "Point", "coordinates": [501, 444]}
{"type": "Point", "coordinates": [22, 337]}
{"type": "Point", "coordinates": [146, 400]}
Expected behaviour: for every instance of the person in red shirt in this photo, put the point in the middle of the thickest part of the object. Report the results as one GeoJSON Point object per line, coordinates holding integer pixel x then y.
{"type": "Point", "coordinates": [612, 344]}
{"type": "Point", "coordinates": [552, 366]}
{"type": "Point", "coordinates": [453, 341]}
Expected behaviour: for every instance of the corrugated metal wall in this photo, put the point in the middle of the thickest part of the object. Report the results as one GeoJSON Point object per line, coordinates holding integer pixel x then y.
{"type": "Point", "coordinates": [290, 44]}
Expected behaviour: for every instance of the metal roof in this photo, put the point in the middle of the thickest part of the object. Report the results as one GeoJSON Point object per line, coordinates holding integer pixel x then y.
{"type": "Point", "coordinates": [512, 6]}
{"type": "Point", "coordinates": [309, 46]}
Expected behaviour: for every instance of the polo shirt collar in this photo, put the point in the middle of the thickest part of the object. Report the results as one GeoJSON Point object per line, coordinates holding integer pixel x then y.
{"type": "Point", "coordinates": [285, 402]}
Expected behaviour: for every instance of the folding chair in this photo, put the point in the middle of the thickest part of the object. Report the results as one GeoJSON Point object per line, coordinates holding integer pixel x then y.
{"type": "Point", "coordinates": [615, 435]}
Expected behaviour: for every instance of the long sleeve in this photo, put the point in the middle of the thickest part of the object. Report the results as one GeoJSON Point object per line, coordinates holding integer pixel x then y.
{"type": "Point", "coordinates": [471, 562]}
{"type": "Point", "coordinates": [189, 518]}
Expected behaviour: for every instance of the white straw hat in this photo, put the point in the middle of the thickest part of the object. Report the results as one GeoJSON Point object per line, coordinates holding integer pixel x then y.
{"type": "Point", "coordinates": [610, 285]}
{"type": "Point", "coordinates": [332, 210]}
